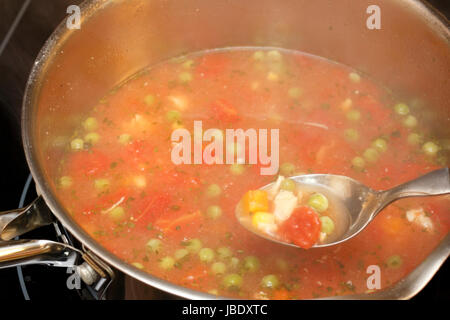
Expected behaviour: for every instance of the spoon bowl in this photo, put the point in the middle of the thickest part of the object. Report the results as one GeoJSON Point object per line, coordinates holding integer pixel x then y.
{"type": "Point", "coordinates": [361, 203]}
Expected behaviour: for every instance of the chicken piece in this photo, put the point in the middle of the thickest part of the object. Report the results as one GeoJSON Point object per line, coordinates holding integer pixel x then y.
{"type": "Point", "coordinates": [418, 216]}
{"type": "Point", "coordinates": [273, 190]}
{"type": "Point", "coordinates": [265, 222]}
{"type": "Point", "coordinates": [284, 204]}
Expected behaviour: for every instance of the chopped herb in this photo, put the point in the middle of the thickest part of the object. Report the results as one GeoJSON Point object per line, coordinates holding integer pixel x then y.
{"type": "Point", "coordinates": [99, 233]}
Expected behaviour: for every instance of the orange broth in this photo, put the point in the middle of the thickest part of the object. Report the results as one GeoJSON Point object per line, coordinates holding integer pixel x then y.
{"type": "Point", "coordinates": [127, 163]}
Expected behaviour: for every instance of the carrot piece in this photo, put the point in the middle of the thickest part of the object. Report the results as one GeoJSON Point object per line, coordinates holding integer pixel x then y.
{"type": "Point", "coordinates": [224, 111]}
{"type": "Point", "coordinates": [255, 201]}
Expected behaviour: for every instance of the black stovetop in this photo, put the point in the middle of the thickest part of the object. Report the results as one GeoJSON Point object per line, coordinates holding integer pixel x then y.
{"type": "Point", "coordinates": [37, 23]}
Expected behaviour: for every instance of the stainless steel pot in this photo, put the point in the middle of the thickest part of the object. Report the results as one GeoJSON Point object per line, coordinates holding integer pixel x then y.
{"type": "Point", "coordinates": [410, 55]}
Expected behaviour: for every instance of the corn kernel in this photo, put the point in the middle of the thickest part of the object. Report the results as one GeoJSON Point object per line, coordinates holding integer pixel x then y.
{"type": "Point", "coordinates": [260, 219]}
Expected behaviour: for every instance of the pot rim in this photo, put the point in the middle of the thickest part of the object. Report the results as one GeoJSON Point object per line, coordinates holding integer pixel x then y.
{"type": "Point", "coordinates": [57, 39]}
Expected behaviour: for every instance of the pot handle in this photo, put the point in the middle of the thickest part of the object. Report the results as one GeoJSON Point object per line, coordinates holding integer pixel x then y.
{"type": "Point", "coordinates": [14, 223]}
{"type": "Point", "coordinates": [93, 272]}
{"type": "Point", "coordinates": [23, 252]}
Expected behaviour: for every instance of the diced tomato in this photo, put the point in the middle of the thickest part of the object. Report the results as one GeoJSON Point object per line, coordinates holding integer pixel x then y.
{"type": "Point", "coordinates": [184, 180]}
{"type": "Point", "coordinates": [181, 223]}
{"type": "Point", "coordinates": [224, 111]}
{"type": "Point", "coordinates": [281, 294]}
{"type": "Point", "coordinates": [152, 208]}
{"type": "Point", "coordinates": [302, 228]}
{"type": "Point", "coordinates": [212, 65]}
{"type": "Point", "coordinates": [88, 163]}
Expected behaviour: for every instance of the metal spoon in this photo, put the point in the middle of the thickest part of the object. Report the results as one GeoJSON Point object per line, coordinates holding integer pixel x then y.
{"type": "Point", "coordinates": [362, 203]}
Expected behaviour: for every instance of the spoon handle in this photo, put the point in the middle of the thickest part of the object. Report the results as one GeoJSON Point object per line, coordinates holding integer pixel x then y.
{"type": "Point", "coordinates": [431, 184]}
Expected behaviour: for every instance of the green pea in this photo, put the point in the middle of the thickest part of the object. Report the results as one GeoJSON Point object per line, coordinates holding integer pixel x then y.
{"type": "Point", "coordinates": [401, 109]}
{"type": "Point", "coordinates": [354, 77]}
{"type": "Point", "coordinates": [187, 64]}
{"type": "Point", "coordinates": [101, 184]}
{"type": "Point", "coordinates": [380, 145]}
{"type": "Point", "coordinates": [206, 255]}
{"type": "Point", "coordinates": [430, 148]}
{"type": "Point", "coordinates": [295, 93]}
{"type": "Point", "coordinates": [234, 262]}
{"type": "Point", "coordinates": [138, 265]}
{"type": "Point", "coordinates": [180, 254]}
{"type": "Point", "coordinates": [173, 115]}
{"type": "Point", "coordinates": [259, 55]}
{"type": "Point", "coordinates": [124, 138]}
{"type": "Point", "coordinates": [274, 55]}
{"type": "Point", "coordinates": [237, 169]}
{"type": "Point", "coordinates": [224, 253]}
{"type": "Point", "coordinates": [214, 212]}
{"type": "Point", "coordinates": [287, 169]}
{"type": "Point", "coordinates": [354, 115]}
{"type": "Point", "coordinates": [90, 124]}
{"type": "Point", "coordinates": [394, 261]}
{"type": "Point", "coordinates": [251, 263]}
{"type": "Point", "coordinates": [193, 245]}
{"type": "Point", "coordinates": [185, 77]}
{"type": "Point", "coordinates": [65, 182]}
{"type": "Point", "coordinates": [358, 163]}
{"type": "Point", "coordinates": [92, 138]}
{"type": "Point", "coordinates": [410, 121]}
{"type": "Point", "coordinates": [232, 281]}
{"type": "Point", "coordinates": [167, 263]}
{"type": "Point", "coordinates": [351, 135]}
{"type": "Point", "coordinates": [218, 268]}
{"type": "Point", "coordinates": [414, 138]}
{"type": "Point", "coordinates": [288, 185]}
{"type": "Point", "coordinates": [213, 191]}
{"type": "Point", "coordinates": [117, 214]}
{"type": "Point", "coordinates": [214, 292]}
{"type": "Point", "coordinates": [327, 225]}
{"type": "Point", "coordinates": [371, 155]}
{"type": "Point", "coordinates": [77, 144]}
{"type": "Point", "coordinates": [149, 100]}
{"type": "Point", "coordinates": [270, 281]}
{"type": "Point", "coordinates": [154, 245]}
{"type": "Point", "coordinates": [318, 202]}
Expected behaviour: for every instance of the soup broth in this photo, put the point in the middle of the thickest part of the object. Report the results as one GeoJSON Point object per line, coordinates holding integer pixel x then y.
{"type": "Point", "coordinates": [177, 222]}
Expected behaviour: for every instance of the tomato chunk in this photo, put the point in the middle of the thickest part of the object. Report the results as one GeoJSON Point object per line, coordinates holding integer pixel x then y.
{"type": "Point", "coordinates": [224, 111]}
{"type": "Point", "coordinates": [213, 65]}
{"type": "Point", "coordinates": [302, 228]}
{"type": "Point", "coordinates": [88, 163]}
